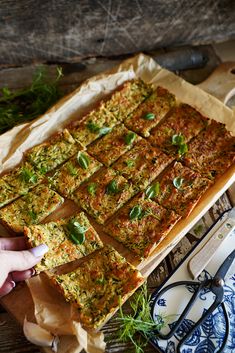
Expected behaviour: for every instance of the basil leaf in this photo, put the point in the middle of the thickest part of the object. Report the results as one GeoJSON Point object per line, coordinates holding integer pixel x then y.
{"type": "Point", "coordinates": [135, 212]}
{"type": "Point", "coordinates": [76, 232]}
{"type": "Point", "coordinates": [79, 228]}
{"type": "Point", "coordinates": [28, 176]}
{"type": "Point", "coordinates": [177, 182]}
{"type": "Point", "coordinates": [33, 215]}
{"type": "Point", "coordinates": [129, 138]}
{"type": "Point", "coordinates": [177, 140]}
{"type": "Point", "coordinates": [152, 191]}
{"type": "Point", "coordinates": [104, 130]}
{"type": "Point", "coordinates": [93, 127]}
{"type": "Point", "coordinates": [91, 188]}
{"type": "Point", "coordinates": [100, 280]}
{"type": "Point", "coordinates": [77, 239]}
{"type": "Point", "coordinates": [83, 160]}
{"type": "Point", "coordinates": [112, 187]}
{"type": "Point", "coordinates": [129, 163]}
{"type": "Point", "coordinates": [182, 149]}
{"type": "Point", "coordinates": [43, 170]}
{"type": "Point", "coordinates": [149, 116]}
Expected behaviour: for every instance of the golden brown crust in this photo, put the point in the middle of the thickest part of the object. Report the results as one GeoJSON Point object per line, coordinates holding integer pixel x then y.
{"type": "Point", "coordinates": [103, 194]}
{"type": "Point", "coordinates": [157, 104]}
{"type": "Point", "coordinates": [31, 208]}
{"type": "Point", "coordinates": [142, 164]}
{"type": "Point", "coordinates": [98, 285]}
{"type": "Point", "coordinates": [182, 120]}
{"type": "Point", "coordinates": [109, 148]}
{"type": "Point", "coordinates": [62, 242]}
{"type": "Point", "coordinates": [53, 152]}
{"type": "Point", "coordinates": [141, 233]}
{"type": "Point", "coordinates": [212, 152]}
{"type": "Point", "coordinates": [180, 189]}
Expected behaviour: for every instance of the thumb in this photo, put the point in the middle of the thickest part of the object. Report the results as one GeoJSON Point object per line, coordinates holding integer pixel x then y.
{"type": "Point", "coordinates": [25, 259]}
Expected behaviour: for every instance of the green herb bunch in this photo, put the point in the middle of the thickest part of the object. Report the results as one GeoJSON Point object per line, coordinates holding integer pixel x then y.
{"type": "Point", "coordinates": [139, 321]}
{"type": "Point", "coordinates": [26, 104]}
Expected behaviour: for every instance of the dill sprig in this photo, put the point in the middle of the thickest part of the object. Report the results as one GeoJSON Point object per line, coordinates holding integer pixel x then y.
{"type": "Point", "coordinates": [139, 321]}
{"type": "Point", "coordinates": [26, 104]}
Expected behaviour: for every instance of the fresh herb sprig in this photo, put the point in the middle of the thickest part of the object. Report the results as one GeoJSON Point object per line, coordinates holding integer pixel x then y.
{"type": "Point", "coordinates": [139, 321]}
{"type": "Point", "coordinates": [112, 188]}
{"type": "Point", "coordinates": [137, 213]}
{"type": "Point", "coordinates": [178, 182]}
{"type": "Point", "coordinates": [83, 160]}
{"type": "Point", "coordinates": [179, 141]}
{"type": "Point", "coordinates": [129, 138]}
{"type": "Point", "coordinates": [96, 129]}
{"type": "Point", "coordinates": [26, 104]}
{"type": "Point", "coordinates": [76, 232]}
{"type": "Point", "coordinates": [152, 190]}
{"type": "Point", "coordinates": [28, 176]}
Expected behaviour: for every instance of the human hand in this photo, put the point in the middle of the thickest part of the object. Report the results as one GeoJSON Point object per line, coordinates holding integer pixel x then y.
{"type": "Point", "coordinates": [16, 263]}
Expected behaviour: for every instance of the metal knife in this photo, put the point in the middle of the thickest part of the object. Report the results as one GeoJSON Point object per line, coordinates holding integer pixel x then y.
{"type": "Point", "coordinates": [221, 231]}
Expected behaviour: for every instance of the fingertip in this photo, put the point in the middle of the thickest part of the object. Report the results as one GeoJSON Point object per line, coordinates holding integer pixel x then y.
{"type": "Point", "coordinates": [7, 288]}
{"type": "Point", "coordinates": [39, 250]}
{"type": "Point", "coordinates": [18, 276]}
{"type": "Point", "coordinates": [12, 284]}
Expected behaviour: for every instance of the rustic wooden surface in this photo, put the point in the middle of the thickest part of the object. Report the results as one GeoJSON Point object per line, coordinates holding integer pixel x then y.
{"type": "Point", "coordinates": [65, 31]}
{"type": "Point", "coordinates": [11, 335]}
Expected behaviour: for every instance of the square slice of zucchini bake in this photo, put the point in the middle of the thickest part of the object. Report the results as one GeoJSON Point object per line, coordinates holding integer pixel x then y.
{"type": "Point", "coordinates": [99, 285]}
{"type": "Point", "coordinates": [67, 239]}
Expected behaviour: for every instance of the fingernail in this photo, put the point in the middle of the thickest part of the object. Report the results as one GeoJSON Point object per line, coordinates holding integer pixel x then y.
{"type": "Point", "coordinates": [39, 250]}
{"type": "Point", "coordinates": [33, 271]}
{"type": "Point", "coordinates": [12, 284]}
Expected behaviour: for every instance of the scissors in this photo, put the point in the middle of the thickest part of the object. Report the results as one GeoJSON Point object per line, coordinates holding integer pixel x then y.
{"type": "Point", "coordinates": [215, 284]}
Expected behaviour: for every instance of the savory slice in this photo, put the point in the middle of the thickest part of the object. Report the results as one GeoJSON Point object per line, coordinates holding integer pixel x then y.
{"type": "Point", "coordinates": [7, 194]}
{"type": "Point", "coordinates": [71, 174]}
{"type": "Point", "coordinates": [141, 224]}
{"type": "Point", "coordinates": [142, 163]}
{"type": "Point", "coordinates": [109, 148]}
{"type": "Point", "coordinates": [68, 239]}
{"type": "Point", "coordinates": [172, 134]}
{"type": "Point", "coordinates": [103, 194]}
{"type": "Point", "coordinates": [98, 286]}
{"type": "Point", "coordinates": [127, 98]}
{"type": "Point", "coordinates": [52, 153]}
{"type": "Point", "coordinates": [179, 189]}
{"type": "Point", "coordinates": [151, 111]}
{"type": "Point", "coordinates": [31, 208]}
{"type": "Point", "coordinates": [95, 124]}
{"type": "Point", "coordinates": [212, 152]}
{"type": "Point", "coordinates": [17, 182]}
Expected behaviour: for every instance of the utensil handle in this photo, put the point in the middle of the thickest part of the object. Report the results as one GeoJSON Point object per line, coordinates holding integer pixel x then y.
{"type": "Point", "coordinates": [197, 264]}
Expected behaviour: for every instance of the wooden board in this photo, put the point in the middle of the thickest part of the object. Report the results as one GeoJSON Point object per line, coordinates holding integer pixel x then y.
{"type": "Point", "coordinates": [64, 31]}
{"type": "Point", "coordinates": [13, 301]}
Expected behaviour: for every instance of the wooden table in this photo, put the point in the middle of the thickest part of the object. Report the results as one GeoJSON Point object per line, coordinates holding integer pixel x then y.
{"type": "Point", "coordinates": [11, 337]}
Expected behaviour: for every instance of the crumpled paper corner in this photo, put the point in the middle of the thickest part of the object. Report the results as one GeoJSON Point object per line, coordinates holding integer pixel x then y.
{"type": "Point", "coordinates": [54, 314]}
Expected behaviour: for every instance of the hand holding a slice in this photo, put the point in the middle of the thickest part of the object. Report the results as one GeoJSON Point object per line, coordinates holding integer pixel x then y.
{"type": "Point", "coordinates": [16, 263]}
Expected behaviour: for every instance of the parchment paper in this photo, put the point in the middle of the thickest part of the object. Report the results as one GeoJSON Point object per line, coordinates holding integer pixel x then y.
{"type": "Point", "coordinates": [56, 316]}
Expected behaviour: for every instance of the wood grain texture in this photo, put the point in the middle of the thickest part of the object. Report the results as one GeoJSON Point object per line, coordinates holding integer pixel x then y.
{"type": "Point", "coordinates": [63, 31]}
{"type": "Point", "coordinates": [12, 339]}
